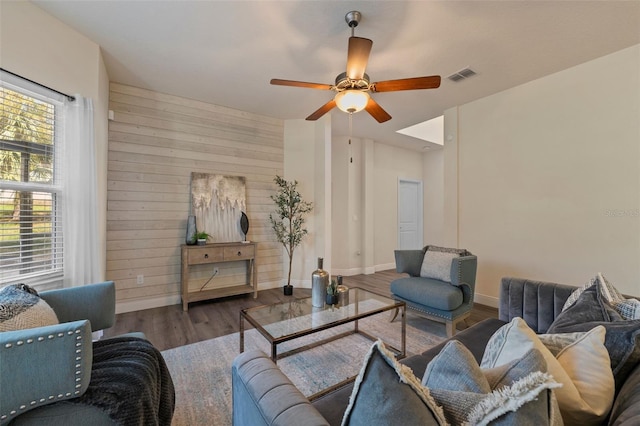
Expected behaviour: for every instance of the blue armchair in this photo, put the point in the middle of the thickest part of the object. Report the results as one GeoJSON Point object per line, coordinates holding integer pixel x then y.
{"type": "Point", "coordinates": [45, 371]}
{"type": "Point", "coordinates": [435, 299]}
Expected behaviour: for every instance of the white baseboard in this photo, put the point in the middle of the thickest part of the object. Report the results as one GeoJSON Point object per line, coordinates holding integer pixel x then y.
{"type": "Point", "coordinates": [139, 305]}
{"type": "Point", "coordinates": [385, 267]}
{"type": "Point", "coordinates": [366, 270]}
{"type": "Point", "coordinates": [481, 299]}
{"type": "Point", "coordinates": [158, 302]}
{"type": "Point", "coordinates": [347, 272]}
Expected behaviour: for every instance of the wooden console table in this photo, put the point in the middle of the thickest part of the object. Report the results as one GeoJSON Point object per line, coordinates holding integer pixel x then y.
{"type": "Point", "coordinates": [218, 253]}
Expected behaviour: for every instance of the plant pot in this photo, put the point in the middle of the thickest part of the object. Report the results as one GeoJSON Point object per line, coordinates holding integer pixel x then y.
{"type": "Point", "coordinates": [332, 299]}
{"type": "Point", "coordinates": [202, 242]}
{"type": "Point", "coordinates": [288, 289]}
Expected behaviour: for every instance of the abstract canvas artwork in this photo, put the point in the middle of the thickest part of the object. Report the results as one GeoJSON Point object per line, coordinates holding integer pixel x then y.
{"type": "Point", "coordinates": [218, 202]}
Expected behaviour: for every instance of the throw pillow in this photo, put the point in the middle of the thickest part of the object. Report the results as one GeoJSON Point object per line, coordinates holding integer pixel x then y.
{"type": "Point", "coordinates": [387, 392]}
{"type": "Point", "coordinates": [627, 308]}
{"type": "Point", "coordinates": [622, 338]}
{"type": "Point", "coordinates": [460, 252]}
{"type": "Point", "coordinates": [437, 265]}
{"type": "Point", "coordinates": [586, 395]}
{"type": "Point", "coordinates": [518, 394]}
{"type": "Point", "coordinates": [21, 307]}
{"type": "Point", "coordinates": [576, 294]}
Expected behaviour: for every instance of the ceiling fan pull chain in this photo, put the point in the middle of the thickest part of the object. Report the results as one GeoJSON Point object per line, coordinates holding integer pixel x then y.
{"type": "Point", "coordinates": [350, 135]}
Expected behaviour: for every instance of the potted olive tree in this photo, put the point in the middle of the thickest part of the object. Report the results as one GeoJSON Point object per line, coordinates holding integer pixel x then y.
{"type": "Point", "coordinates": [288, 220]}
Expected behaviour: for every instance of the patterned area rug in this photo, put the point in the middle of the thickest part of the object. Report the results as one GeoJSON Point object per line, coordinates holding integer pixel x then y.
{"type": "Point", "coordinates": [202, 371]}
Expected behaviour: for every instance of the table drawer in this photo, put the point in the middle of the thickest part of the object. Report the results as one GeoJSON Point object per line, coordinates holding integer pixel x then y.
{"type": "Point", "coordinates": [205, 255]}
{"type": "Point", "coordinates": [238, 253]}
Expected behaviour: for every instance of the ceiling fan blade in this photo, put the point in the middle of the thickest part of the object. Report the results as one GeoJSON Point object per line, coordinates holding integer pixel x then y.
{"type": "Point", "coordinates": [415, 83]}
{"type": "Point", "coordinates": [377, 112]}
{"type": "Point", "coordinates": [322, 110]}
{"type": "Point", "coordinates": [358, 56]}
{"type": "Point", "coordinates": [293, 83]}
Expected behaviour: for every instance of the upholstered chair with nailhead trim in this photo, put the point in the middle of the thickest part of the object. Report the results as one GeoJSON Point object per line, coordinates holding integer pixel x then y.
{"type": "Point", "coordinates": [43, 369]}
{"type": "Point", "coordinates": [440, 286]}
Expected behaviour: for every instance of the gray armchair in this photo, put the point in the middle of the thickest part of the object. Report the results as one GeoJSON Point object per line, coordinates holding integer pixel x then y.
{"type": "Point", "coordinates": [447, 302]}
{"type": "Point", "coordinates": [46, 371]}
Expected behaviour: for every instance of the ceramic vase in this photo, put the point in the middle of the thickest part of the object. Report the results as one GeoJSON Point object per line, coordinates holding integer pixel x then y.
{"type": "Point", "coordinates": [191, 230]}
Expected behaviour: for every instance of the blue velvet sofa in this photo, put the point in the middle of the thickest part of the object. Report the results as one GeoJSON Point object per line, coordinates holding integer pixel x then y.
{"type": "Point", "coordinates": [56, 375]}
{"type": "Point", "coordinates": [263, 395]}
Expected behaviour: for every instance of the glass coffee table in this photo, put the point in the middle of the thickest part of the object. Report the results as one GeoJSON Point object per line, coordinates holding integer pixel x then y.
{"type": "Point", "coordinates": [285, 321]}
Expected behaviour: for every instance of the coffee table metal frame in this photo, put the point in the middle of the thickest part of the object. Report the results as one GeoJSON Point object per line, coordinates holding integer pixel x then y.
{"type": "Point", "coordinates": [354, 295]}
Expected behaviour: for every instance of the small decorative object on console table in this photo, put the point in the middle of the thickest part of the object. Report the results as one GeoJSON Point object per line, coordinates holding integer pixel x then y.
{"type": "Point", "coordinates": [191, 230]}
{"type": "Point", "coordinates": [201, 237]}
{"type": "Point", "coordinates": [319, 282]}
{"type": "Point", "coordinates": [244, 224]}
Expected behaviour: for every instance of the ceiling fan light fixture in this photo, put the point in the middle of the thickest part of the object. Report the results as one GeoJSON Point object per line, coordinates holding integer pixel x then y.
{"type": "Point", "coordinates": [352, 100]}
{"type": "Point", "coordinates": [352, 87]}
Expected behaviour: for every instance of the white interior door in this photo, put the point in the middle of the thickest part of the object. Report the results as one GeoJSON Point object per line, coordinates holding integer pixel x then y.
{"type": "Point", "coordinates": [409, 214]}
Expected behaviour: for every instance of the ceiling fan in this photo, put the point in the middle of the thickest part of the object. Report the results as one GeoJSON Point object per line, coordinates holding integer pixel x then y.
{"type": "Point", "coordinates": [353, 86]}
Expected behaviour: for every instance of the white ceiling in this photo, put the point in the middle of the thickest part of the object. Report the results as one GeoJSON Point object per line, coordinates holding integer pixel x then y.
{"type": "Point", "coordinates": [225, 52]}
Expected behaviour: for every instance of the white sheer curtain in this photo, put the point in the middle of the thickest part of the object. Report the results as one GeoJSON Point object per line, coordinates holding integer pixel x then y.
{"type": "Point", "coordinates": [81, 258]}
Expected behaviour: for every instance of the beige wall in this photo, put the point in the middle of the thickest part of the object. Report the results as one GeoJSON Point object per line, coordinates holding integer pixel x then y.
{"type": "Point", "coordinates": [37, 46]}
{"type": "Point", "coordinates": [348, 209]}
{"type": "Point", "coordinates": [155, 142]}
{"type": "Point", "coordinates": [40, 47]}
{"type": "Point", "coordinates": [307, 159]}
{"type": "Point", "coordinates": [340, 215]}
{"type": "Point", "coordinates": [549, 177]}
{"type": "Point", "coordinates": [433, 178]}
{"type": "Point", "coordinates": [391, 164]}
{"type": "Point", "coordinates": [365, 203]}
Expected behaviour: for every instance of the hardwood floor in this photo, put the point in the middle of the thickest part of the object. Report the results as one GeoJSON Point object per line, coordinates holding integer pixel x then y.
{"type": "Point", "coordinates": [169, 327]}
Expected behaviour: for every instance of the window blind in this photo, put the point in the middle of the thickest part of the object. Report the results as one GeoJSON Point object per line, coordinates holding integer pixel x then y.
{"type": "Point", "coordinates": [31, 238]}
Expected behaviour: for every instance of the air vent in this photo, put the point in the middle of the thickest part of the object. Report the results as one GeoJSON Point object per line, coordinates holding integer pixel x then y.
{"type": "Point", "coordinates": [462, 74]}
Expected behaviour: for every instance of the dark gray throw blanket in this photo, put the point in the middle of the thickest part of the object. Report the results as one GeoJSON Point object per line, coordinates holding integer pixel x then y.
{"type": "Point", "coordinates": [130, 381]}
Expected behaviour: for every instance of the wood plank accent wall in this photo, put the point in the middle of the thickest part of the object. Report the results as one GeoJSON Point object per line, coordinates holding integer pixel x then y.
{"type": "Point", "coordinates": [155, 142]}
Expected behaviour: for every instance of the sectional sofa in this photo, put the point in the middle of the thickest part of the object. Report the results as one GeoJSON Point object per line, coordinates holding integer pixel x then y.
{"type": "Point", "coordinates": [263, 395]}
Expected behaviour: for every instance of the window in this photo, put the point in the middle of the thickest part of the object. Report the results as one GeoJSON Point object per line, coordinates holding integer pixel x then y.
{"type": "Point", "coordinates": [31, 244]}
